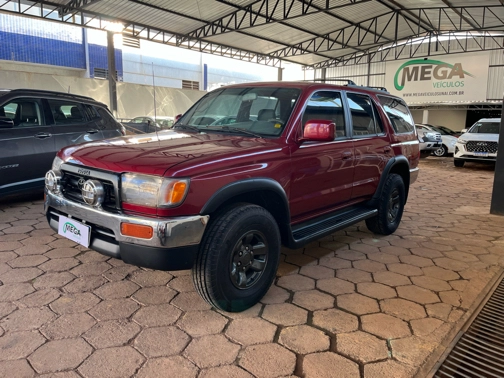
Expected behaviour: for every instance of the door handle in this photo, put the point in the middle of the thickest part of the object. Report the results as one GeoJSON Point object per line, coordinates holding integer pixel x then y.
{"type": "Point", "coordinates": [43, 135]}
{"type": "Point", "coordinates": [387, 150]}
{"type": "Point", "coordinates": [346, 155]}
{"type": "Point", "coordinates": [92, 131]}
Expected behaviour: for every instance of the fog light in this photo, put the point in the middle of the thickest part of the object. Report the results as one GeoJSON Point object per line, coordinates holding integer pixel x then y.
{"type": "Point", "coordinates": [52, 181]}
{"type": "Point", "coordinates": [137, 230]}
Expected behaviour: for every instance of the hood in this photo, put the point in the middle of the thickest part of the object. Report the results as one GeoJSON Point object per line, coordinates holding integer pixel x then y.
{"type": "Point", "coordinates": [479, 137]}
{"type": "Point", "coordinates": [448, 139]}
{"type": "Point", "coordinates": [154, 154]}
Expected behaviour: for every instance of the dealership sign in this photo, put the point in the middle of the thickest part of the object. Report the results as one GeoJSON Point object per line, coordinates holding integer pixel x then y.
{"type": "Point", "coordinates": [446, 78]}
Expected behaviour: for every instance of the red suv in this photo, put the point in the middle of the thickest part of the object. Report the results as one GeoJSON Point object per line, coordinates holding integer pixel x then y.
{"type": "Point", "coordinates": [248, 168]}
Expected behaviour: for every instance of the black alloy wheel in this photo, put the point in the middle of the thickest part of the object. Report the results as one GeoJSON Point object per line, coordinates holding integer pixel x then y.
{"type": "Point", "coordinates": [249, 259]}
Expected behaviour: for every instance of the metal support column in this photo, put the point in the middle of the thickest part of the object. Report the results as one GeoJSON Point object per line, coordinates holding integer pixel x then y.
{"type": "Point", "coordinates": [323, 75]}
{"type": "Point", "coordinates": [112, 78]}
{"type": "Point", "coordinates": [279, 73]}
{"type": "Point", "coordinates": [425, 116]}
{"type": "Point", "coordinates": [497, 203]}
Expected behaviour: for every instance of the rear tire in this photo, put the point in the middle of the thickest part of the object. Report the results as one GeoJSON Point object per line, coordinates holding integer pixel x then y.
{"type": "Point", "coordinates": [390, 207]}
{"type": "Point", "coordinates": [458, 163]}
{"type": "Point", "coordinates": [238, 258]}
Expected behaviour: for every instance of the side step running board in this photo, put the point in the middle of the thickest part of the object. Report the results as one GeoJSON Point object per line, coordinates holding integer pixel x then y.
{"type": "Point", "coordinates": [306, 233]}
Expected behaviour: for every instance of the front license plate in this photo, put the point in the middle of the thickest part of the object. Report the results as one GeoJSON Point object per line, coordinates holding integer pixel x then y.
{"type": "Point", "coordinates": [484, 154]}
{"type": "Point", "coordinates": [73, 230]}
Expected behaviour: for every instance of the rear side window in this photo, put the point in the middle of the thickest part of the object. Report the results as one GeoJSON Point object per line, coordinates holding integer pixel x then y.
{"type": "Point", "coordinates": [364, 117]}
{"type": "Point", "coordinates": [24, 112]}
{"type": "Point", "coordinates": [326, 105]}
{"type": "Point", "coordinates": [67, 112]}
{"type": "Point", "coordinates": [398, 114]}
{"type": "Point", "coordinates": [106, 120]}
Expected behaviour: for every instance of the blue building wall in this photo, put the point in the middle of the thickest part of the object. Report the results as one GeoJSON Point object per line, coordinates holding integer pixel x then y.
{"type": "Point", "coordinates": [98, 59]}
{"type": "Point", "coordinates": [31, 49]}
{"type": "Point", "coordinates": [34, 41]}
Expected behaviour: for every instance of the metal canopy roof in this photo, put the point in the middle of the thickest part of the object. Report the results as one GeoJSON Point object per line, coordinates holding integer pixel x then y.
{"type": "Point", "coordinates": [317, 33]}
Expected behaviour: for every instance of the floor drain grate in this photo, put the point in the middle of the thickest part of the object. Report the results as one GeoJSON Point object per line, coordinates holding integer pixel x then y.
{"type": "Point", "coordinates": [480, 350]}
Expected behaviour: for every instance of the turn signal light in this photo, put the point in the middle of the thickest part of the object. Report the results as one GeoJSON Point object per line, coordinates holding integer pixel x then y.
{"type": "Point", "coordinates": [137, 230]}
{"type": "Point", "coordinates": [178, 192]}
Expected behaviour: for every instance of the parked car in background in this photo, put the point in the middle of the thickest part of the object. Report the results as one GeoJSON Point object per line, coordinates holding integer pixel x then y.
{"type": "Point", "coordinates": [448, 131]}
{"type": "Point", "coordinates": [293, 162]}
{"type": "Point", "coordinates": [149, 124]}
{"type": "Point", "coordinates": [35, 124]}
{"type": "Point", "coordinates": [430, 141]}
{"type": "Point", "coordinates": [479, 144]}
{"type": "Point", "coordinates": [448, 141]}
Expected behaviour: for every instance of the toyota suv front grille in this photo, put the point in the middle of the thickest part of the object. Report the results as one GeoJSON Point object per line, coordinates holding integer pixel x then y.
{"type": "Point", "coordinates": [71, 188]}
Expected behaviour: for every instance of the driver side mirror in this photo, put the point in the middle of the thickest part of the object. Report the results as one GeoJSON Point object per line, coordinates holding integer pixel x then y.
{"type": "Point", "coordinates": [177, 117]}
{"type": "Point", "coordinates": [6, 123]}
{"type": "Point", "coordinates": [319, 130]}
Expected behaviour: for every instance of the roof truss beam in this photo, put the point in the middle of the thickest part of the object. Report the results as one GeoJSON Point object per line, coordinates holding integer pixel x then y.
{"type": "Point", "coordinates": [80, 17]}
{"type": "Point", "coordinates": [263, 12]}
{"type": "Point", "coordinates": [74, 4]}
{"type": "Point", "coordinates": [346, 37]}
{"type": "Point", "coordinates": [341, 39]}
{"type": "Point", "coordinates": [451, 43]}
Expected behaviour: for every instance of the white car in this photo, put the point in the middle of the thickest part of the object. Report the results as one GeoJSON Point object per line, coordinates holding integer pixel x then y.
{"type": "Point", "coordinates": [449, 141]}
{"type": "Point", "coordinates": [479, 144]}
{"type": "Point", "coordinates": [430, 141]}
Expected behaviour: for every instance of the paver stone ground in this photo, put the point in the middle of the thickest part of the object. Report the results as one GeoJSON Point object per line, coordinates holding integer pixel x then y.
{"type": "Point", "coordinates": [348, 299]}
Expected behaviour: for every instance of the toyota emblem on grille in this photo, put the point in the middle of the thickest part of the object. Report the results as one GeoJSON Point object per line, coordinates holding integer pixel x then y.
{"type": "Point", "coordinates": [93, 192]}
{"type": "Point", "coordinates": [481, 144]}
{"type": "Point", "coordinates": [81, 182]}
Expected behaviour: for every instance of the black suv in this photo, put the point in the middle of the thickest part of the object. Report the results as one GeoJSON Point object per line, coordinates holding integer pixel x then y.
{"type": "Point", "coordinates": [35, 124]}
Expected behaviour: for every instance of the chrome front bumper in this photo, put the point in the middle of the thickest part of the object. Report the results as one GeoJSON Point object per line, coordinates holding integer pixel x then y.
{"type": "Point", "coordinates": [168, 232]}
{"type": "Point", "coordinates": [413, 175]}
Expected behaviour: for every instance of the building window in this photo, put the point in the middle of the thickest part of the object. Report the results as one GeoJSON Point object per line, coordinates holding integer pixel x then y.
{"type": "Point", "coordinates": [187, 84]}
{"type": "Point", "coordinates": [101, 73]}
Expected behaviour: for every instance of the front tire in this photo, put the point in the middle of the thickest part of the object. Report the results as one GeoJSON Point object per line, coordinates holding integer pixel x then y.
{"type": "Point", "coordinates": [458, 163]}
{"type": "Point", "coordinates": [390, 207]}
{"type": "Point", "coordinates": [441, 151]}
{"type": "Point", "coordinates": [238, 258]}
{"type": "Point", "coordinates": [424, 154]}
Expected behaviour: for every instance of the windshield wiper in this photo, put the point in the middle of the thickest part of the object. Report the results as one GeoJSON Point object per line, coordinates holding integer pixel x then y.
{"type": "Point", "coordinates": [187, 127]}
{"type": "Point", "coordinates": [233, 129]}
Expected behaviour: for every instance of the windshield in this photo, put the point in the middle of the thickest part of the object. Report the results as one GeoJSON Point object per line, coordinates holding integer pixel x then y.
{"type": "Point", "coordinates": [446, 130]}
{"type": "Point", "coordinates": [439, 130]}
{"type": "Point", "coordinates": [485, 128]}
{"type": "Point", "coordinates": [263, 111]}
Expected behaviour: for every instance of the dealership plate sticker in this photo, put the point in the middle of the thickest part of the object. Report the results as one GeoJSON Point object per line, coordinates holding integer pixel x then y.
{"type": "Point", "coordinates": [485, 154]}
{"type": "Point", "coordinates": [73, 230]}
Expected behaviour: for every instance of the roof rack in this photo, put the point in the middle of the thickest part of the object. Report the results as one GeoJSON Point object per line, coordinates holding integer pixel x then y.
{"type": "Point", "coordinates": [349, 83]}
{"type": "Point", "coordinates": [55, 93]}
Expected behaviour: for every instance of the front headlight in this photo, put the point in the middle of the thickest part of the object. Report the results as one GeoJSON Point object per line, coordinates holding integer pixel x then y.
{"type": "Point", "coordinates": [461, 141]}
{"type": "Point", "coordinates": [57, 164]}
{"type": "Point", "coordinates": [153, 191]}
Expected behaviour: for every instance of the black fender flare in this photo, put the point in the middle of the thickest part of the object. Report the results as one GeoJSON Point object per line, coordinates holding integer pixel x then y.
{"type": "Point", "coordinates": [246, 186]}
{"type": "Point", "coordinates": [393, 162]}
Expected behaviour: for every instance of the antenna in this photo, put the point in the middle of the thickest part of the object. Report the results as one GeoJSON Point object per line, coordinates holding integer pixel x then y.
{"type": "Point", "coordinates": [154, 89]}
{"type": "Point", "coordinates": [155, 113]}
